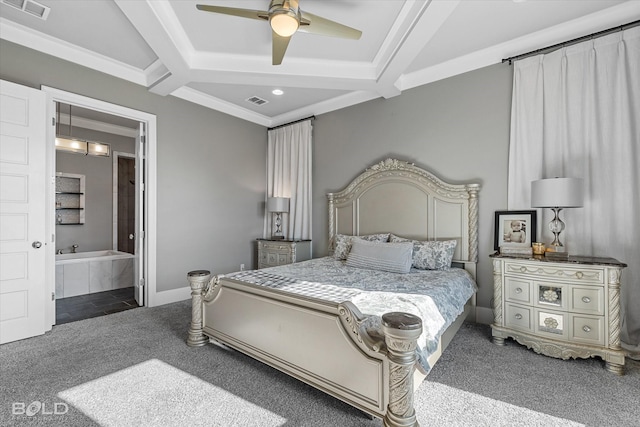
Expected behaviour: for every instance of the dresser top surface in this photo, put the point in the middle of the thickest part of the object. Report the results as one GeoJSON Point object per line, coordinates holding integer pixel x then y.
{"type": "Point", "coordinates": [572, 259]}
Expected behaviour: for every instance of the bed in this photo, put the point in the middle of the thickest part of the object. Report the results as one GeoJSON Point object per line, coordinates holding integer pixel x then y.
{"type": "Point", "coordinates": [291, 318]}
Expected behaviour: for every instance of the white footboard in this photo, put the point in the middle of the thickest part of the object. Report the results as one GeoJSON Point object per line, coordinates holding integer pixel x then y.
{"type": "Point", "coordinates": [318, 342]}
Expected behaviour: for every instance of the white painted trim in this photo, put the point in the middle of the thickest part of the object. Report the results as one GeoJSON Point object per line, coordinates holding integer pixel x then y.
{"type": "Point", "coordinates": [57, 95]}
{"type": "Point", "coordinates": [44, 43]}
{"type": "Point", "coordinates": [85, 123]}
{"type": "Point", "coordinates": [597, 21]}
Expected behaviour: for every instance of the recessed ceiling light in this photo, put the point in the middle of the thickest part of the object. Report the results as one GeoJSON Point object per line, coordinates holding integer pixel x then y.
{"type": "Point", "coordinates": [277, 92]}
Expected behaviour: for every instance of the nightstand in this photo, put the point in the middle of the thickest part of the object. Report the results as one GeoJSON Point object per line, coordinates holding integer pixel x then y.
{"type": "Point", "coordinates": [561, 308]}
{"type": "Point", "coordinates": [272, 253]}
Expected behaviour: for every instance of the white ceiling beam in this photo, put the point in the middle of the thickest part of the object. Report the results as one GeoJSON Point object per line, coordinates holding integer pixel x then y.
{"type": "Point", "coordinates": [421, 21]}
{"type": "Point", "coordinates": [594, 22]}
{"type": "Point", "coordinates": [159, 27]}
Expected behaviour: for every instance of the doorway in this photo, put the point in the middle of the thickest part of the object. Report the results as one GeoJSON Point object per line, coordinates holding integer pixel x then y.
{"type": "Point", "coordinates": [145, 142]}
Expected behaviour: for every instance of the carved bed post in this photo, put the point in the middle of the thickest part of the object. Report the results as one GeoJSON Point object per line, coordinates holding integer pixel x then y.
{"type": "Point", "coordinates": [401, 332]}
{"type": "Point", "coordinates": [473, 190]}
{"type": "Point", "coordinates": [197, 280]}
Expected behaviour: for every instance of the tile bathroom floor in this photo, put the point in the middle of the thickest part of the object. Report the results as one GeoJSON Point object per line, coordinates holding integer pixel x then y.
{"type": "Point", "coordinates": [93, 305]}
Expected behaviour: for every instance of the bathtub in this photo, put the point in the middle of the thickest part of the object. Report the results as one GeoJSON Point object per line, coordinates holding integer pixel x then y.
{"type": "Point", "coordinates": [89, 272]}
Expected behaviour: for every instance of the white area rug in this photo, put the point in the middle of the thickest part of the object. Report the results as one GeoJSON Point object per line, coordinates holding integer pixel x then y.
{"type": "Point", "coordinates": [154, 393]}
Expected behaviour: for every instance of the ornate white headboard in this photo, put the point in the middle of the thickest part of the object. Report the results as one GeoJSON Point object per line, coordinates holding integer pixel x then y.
{"type": "Point", "coordinates": [398, 197]}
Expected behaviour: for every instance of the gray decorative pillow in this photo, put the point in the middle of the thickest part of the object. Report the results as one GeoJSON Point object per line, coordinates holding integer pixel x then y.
{"type": "Point", "coordinates": [430, 254]}
{"type": "Point", "coordinates": [342, 244]}
{"type": "Point", "coordinates": [392, 257]}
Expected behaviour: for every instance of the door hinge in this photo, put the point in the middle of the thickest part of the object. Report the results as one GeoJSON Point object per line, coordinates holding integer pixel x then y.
{"type": "Point", "coordinates": [141, 283]}
{"type": "Point", "coordinates": [53, 296]}
{"type": "Point", "coordinates": [53, 121]}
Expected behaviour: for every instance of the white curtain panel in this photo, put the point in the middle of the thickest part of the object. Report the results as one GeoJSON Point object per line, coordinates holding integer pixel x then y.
{"type": "Point", "coordinates": [289, 175]}
{"type": "Point", "coordinates": [576, 113]}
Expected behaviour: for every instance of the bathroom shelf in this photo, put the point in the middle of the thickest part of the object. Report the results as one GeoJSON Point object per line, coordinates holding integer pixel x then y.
{"type": "Point", "coordinates": [69, 198]}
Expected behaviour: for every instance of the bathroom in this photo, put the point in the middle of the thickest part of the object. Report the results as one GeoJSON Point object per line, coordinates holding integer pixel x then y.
{"type": "Point", "coordinates": [95, 214]}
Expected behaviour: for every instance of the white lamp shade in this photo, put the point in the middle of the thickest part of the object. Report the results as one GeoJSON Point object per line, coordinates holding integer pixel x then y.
{"type": "Point", "coordinates": [557, 193]}
{"type": "Point", "coordinates": [278, 204]}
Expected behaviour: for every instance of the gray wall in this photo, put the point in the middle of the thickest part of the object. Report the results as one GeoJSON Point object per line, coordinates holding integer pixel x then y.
{"type": "Point", "coordinates": [457, 128]}
{"type": "Point", "coordinates": [211, 167]}
{"type": "Point", "coordinates": [96, 233]}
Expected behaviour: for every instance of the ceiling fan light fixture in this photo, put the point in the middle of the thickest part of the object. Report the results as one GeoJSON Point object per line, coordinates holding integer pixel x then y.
{"type": "Point", "coordinates": [284, 22]}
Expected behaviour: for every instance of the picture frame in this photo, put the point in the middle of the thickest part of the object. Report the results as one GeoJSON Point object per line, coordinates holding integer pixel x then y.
{"type": "Point", "coordinates": [515, 229]}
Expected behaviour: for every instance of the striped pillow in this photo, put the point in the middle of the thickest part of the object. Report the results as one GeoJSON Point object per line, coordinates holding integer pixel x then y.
{"type": "Point", "coordinates": [392, 257]}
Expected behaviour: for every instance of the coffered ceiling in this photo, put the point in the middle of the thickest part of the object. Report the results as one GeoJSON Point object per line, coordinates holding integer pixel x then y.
{"type": "Point", "coordinates": [221, 61]}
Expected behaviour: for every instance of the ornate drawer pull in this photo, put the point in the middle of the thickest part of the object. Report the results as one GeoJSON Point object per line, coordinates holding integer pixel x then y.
{"type": "Point", "coordinates": [518, 316]}
{"type": "Point", "coordinates": [586, 300]}
{"type": "Point", "coordinates": [579, 274]}
{"type": "Point", "coordinates": [586, 328]}
{"type": "Point", "coordinates": [523, 269]}
{"type": "Point", "coordinates": [518, 290]}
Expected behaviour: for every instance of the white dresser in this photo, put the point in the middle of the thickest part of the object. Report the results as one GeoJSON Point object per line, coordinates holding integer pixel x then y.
{"type": "Point", "coordinates": [564, 309]}
{"type": "Point", "coordinates": [272, 253]}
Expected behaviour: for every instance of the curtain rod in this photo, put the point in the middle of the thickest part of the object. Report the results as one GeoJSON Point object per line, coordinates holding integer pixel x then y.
{"type": "Point", "coordinates": [549, 49]}
{"type": "Point", "coordinates": [290, 123]}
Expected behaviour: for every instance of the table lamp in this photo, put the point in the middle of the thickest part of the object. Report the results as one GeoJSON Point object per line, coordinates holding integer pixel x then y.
{"type": "Point", "coordinates": [557, 194]}
{"type": "Point", "coordinates": [277, 205]}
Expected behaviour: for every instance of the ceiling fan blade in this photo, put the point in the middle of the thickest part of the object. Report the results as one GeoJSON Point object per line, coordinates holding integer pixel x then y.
{"type": "Point", "coordinates": [243, 13]}
{"type": "Point", "coordinates": [313, 24]}
{"type": "Point", "coordinates": [279, 47]}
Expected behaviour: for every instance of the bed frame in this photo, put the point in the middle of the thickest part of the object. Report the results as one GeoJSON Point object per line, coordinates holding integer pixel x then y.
{"type": "Point", "coordinates": [323, 343]}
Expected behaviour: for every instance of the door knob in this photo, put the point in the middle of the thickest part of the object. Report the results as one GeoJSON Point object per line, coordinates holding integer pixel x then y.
{"type": "Point", "coordinates": [131, 236]}
{"type": "Point", "coordinates": [36, 244]}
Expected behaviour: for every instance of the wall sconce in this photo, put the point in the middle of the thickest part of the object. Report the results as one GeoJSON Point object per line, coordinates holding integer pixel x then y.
{"type": "Point", "coordinates": [557, 194]}
{"type": "Point", "coordinates": [277, 205]}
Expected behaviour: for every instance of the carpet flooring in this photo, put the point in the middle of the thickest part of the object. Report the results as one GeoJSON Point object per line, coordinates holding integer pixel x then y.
{"type": "Point", "coordinates": [133, 368]}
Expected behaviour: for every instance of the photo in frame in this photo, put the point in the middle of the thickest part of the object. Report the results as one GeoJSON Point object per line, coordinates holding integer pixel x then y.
{"type": "Point", "coordinates": [514, 229]}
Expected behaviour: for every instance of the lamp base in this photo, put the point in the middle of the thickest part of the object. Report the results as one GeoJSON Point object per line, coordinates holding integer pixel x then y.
{"type": "Point", "coordinates": [277, 237]}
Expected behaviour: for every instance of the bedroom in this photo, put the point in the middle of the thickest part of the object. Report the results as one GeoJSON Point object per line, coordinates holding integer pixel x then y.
{"type": "Point", "coordinates": [197, 145]}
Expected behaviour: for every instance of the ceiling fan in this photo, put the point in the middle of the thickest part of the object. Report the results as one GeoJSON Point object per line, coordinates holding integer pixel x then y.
{"type": "Point", "coordinates": [286, 18]}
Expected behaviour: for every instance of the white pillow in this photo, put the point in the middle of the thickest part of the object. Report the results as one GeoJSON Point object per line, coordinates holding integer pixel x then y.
{"type": "Point", "coordinates": [430, 254]}
{"type": "Point", "coordinates": [342, 243]}
{"type": "Point", "coordinates": [392, 257]}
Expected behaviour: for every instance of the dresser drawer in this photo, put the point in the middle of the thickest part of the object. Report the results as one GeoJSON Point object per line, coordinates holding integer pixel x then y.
{"type": "Point", "coordinates": [517, 290]}
{"type": "Point", "coordinates": [552, 324]}
{"type": "Point", "coordinates": [272, 246]}
{"type": "Point", "coordinates": [551, 295]}
{"type": "Point", "coordinates": [582, 274]}
{"type": "Point", "coordinates": [587, 329]}
{"type": "Point", "coordinates": [587, 300]}
{"type": "Point", "coordinates": [517, 317]}
{"type": "Point", "coordinates": [272, 259]}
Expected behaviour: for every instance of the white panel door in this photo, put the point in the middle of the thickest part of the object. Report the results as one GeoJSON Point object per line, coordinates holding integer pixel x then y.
{"type": "Point", "coordinates": [22, 212]}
